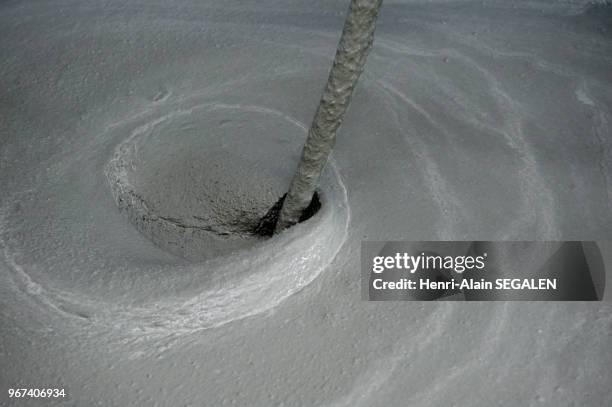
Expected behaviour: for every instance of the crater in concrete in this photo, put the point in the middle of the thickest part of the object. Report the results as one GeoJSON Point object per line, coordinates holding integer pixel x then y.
{"type": "Point", "coordinates": [198, 182]}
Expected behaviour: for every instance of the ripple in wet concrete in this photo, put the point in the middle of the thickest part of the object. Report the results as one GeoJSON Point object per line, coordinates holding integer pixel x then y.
{"type": "Point", "coordinates": [195, 180]}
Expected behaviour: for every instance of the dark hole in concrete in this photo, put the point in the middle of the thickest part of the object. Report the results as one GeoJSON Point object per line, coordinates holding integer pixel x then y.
{"type": "Point", "coordinates": [266, 225]}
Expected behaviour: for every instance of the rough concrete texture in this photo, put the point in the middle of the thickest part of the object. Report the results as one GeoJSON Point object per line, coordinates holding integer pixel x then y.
{"type": "Point", "coordinates": [472, 121]}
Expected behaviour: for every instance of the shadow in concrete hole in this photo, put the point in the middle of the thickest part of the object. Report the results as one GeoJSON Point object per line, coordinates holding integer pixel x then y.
{"type": "Point", "coordinates": [266, 225]}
